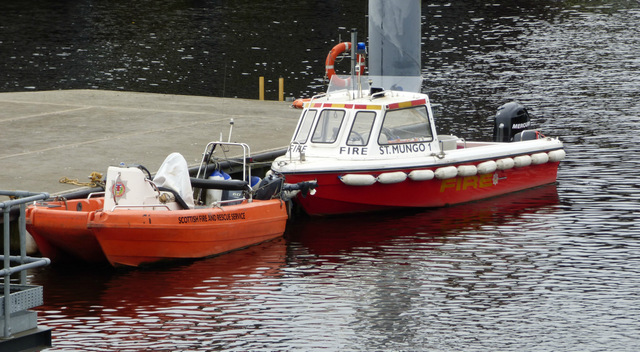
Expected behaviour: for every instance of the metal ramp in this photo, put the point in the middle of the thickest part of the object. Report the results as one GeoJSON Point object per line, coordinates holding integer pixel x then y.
{"type": "Point", "coordinates": [19, 329]}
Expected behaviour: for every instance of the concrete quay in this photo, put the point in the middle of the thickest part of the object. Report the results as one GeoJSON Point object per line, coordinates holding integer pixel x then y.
{"type": "Point", "coordinates": [48, 135]}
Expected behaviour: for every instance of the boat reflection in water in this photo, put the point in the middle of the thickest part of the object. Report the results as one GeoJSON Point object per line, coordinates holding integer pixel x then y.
{"type": "Point", "coordinates": [144, 309]}
{"type": "Point", "coordinates": [277, 294]}
{"type": "Point", "coordinates": [339, 234]}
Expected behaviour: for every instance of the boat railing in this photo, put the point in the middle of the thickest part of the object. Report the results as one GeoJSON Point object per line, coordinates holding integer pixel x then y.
{"type": "Point", "coordinates": [208, 155]}
{"type": "Point", "coordinates": [300, 151]}
{"type": "Point", "coordinates": [95, 194]}
{"type": "Point", "coordinates": [18, 298]}
{"type": "Point", "coordinates": [317, 96]}
{"type": "Point", "coordinates": [210, 149]}
{"type": "Point", "coordinates": [129, 206]}
{"type": "Point", "coordinates": [229, 202]}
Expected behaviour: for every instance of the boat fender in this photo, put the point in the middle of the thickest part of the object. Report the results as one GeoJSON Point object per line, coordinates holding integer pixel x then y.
{"type": "Point", "coordinates": [522, 161]}
{"type": "Point", "coordinates": [421, 175]}
{"type": "Point", "coordinates": [539, 158]}
{"type": "Point", "coordinates": [357, 180]}
{"type": "Point", "coordinates": [504, 164]}
{"type": "Point", "coordinates": [557, 155]}
{"type": "Point", "coordinates": [467, 170]}
{"type": "Point", "coordinates": [392, 177]}
{"type": "Point", "coordinates": [446, 172]}
{"type": "Point", "coordinates": [487, 167]}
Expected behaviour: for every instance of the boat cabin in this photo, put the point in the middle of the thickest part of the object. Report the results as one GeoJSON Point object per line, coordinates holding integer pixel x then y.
{"type": "Point", "coordinates": [366, 123]}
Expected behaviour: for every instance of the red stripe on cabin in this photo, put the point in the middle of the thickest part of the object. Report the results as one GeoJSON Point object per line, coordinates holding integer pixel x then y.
{"type": "Point", "coordinates": [406, 104]}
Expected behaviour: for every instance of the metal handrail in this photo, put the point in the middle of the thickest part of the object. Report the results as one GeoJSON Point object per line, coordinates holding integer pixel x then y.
{"type": "Point", "coordinates": [221, 203]}
{"type": "Point", "coordinates": [96, 194]}
{"type": "Point", "coordinates": [21, 199]}
{"type": "Point", "coordinates": [246, 156]}
{"type": "Point", "coordinates": [140, 206]}
{"type": "Point", "coordinates": [300, 151]}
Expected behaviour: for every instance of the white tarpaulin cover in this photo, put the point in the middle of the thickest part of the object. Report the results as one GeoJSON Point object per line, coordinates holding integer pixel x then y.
{"type": "Point", "coordinates": [174, 174]}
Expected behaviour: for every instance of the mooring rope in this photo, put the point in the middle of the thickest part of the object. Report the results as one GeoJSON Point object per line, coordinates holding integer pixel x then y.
{"type": "Point", "coordinates": [95, 180]}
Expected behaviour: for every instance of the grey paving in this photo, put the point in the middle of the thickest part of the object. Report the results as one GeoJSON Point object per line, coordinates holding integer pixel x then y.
{"type": "Point", "coordinates": [47, 135]}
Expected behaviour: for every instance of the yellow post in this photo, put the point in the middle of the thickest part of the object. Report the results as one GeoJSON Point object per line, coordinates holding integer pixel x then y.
{"type": "Point", "coordinates": [281, 89]}
{"type": "Point", "coordinates": [261, 87]}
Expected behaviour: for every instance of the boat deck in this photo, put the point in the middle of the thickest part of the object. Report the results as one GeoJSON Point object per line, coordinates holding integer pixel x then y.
{"type": "Point", "coordinates": [49, 135]}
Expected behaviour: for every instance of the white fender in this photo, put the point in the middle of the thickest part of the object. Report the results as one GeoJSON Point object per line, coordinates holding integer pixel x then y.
{"type": "Point", "coordinates": [357, 180]}
{"type": "Point", "coordinates": [487, 167]}
{"type": "Point", "coordinates": [446, 172]}
{"type": "Point", "coordinates": [392, 177]}
{"type": "Point", "coordinates": [557, 155]}
{"type": "Point", "coordinates": [522, 161]}
{"type": "Point", "coordinates": [504, 164]}
{"type": "Point", "coordinates": [467, 170]}
{"type": "Point", "coordinates": [539, 158]}
{"type": "Point", "coordinates": [421, 175]}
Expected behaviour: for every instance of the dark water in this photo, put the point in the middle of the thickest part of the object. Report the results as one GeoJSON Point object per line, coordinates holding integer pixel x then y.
{"type": "Point", "coordinates": [553, 269]}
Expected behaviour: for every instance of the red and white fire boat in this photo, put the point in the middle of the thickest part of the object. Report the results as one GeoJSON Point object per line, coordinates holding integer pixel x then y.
{"type": "Point", "coordinates": [372, 149]}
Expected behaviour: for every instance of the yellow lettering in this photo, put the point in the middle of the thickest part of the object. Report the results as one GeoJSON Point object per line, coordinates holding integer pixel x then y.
{"type": "Point", "coordinates": [463, 183]}
{"type": "Point", "coordinates": [448, 183]}
{"type": "Point", "coordinates": [486, 180]}
{"type": "Point", "coordinates": [470, 181]}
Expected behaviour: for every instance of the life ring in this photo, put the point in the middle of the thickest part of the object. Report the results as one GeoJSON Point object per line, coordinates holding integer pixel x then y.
{"type": "Point", "coordinates": [330, 70]}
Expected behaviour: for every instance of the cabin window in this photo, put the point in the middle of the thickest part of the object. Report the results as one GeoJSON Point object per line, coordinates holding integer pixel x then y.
{"type": "Point", "coordinates": [328, 126]}
{"type": "Point", "coordinates": [305, 126]}
{"type": "Point", "coordinates": [361, 128]}
{"type": "Point", "coordinates": [406, 126]}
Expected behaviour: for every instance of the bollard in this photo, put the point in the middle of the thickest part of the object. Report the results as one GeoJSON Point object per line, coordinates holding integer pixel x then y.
{"type": "Point", "coordinates": [281, 89]}
{"type": "Point", "coordinates": [261, 87]}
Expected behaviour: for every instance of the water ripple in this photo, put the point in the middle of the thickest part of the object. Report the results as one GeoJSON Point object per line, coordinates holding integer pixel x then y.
{"type": "Point", "coordinates": [556, 268]}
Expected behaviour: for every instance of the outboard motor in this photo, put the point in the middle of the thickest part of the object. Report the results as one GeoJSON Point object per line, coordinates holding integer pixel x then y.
{"type": "Point", "coordinates": [512, 118]}
{"type": "Point", "coordinates": [269, 187]}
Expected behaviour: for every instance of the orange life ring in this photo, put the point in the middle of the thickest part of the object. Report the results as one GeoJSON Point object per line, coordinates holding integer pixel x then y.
{"type": "Point", "coordinates": [330, 71]}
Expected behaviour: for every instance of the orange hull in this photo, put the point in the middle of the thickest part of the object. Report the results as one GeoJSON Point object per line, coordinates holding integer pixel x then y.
{"type": "Point", "coordinates": [60, 230]}
{"type": "Point", "coordinates": [136, 237]}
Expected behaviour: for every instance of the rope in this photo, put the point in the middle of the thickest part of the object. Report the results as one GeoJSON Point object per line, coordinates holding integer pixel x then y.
{"type": "Point", "coordinates": [95, 180]}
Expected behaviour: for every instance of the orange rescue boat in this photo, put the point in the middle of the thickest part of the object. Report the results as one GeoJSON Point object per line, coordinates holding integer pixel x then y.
{"type": "Point", "coordinates": [59, 228]}
{"type": "Point", "coordinates": [134, 237]}
{"type": "Point", "coordinates": [172, 216]}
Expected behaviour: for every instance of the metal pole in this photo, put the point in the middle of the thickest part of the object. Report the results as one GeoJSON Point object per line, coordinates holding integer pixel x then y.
{"type": "Point", "coordinates": [354, 43]}
{"type": "Point", "coordinates": [7, 276]}
{"type": "Point", "coordinates": [22, 225]}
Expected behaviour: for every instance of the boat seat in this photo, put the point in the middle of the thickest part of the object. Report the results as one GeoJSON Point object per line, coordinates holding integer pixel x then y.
{"type": "Point", "coordinates": [526, 135]}
{"type": "Point", "coordinates": [448, 142]}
